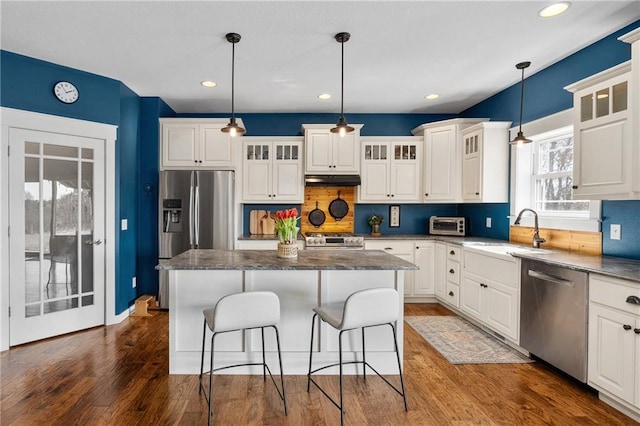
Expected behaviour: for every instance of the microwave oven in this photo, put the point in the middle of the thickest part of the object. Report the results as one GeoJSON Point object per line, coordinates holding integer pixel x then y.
{"type": "Point", "coordinates": [439, 225]}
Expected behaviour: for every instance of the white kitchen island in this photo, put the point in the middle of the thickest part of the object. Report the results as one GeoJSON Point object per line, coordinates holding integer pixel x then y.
{"type": "Point", "coordinates": [199, 278]}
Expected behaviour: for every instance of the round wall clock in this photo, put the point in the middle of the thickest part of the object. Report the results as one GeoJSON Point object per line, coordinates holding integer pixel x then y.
{"type": "Point", "coordinates": [66, 92]}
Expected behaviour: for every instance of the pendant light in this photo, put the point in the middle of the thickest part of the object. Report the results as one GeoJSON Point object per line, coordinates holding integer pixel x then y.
{"type": "Point", "coordinates": [520, 139]}
{"type": "Point", "coordinates": [233, 128]}
{"type": "Point", "coordinates": [342, 127]}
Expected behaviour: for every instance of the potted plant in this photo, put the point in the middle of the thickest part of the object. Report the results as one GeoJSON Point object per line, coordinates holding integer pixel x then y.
{"type": "Point", "coordinates": [374, 221]}
{"type": "Point", "coordinates": [287, 227]}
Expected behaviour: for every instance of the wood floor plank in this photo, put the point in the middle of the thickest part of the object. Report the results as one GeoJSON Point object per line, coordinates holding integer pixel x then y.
{"type": "Point", "coordinates": [117, 375]}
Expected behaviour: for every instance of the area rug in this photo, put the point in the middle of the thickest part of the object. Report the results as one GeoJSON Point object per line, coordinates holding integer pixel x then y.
{"type": "Point", "coordinates": [460, 342]}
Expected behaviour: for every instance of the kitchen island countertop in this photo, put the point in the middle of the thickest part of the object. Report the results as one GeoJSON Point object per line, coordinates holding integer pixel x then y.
{"type": "Point", "coordinates": [310, 260]}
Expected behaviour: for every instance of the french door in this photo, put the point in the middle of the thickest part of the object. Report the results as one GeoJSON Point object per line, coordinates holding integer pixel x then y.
{"type": "Point", "coordinates": [56, 219]}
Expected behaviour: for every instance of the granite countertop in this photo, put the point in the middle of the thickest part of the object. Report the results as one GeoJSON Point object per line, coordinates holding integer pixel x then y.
{"type": "Point", "coordinates": [312, 260]}
{"type": "Point", "coordinates": [618, 267]}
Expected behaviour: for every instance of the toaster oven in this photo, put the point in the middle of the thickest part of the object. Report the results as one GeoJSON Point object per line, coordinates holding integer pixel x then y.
{"type": "Point", "coordinates": [439, 225]}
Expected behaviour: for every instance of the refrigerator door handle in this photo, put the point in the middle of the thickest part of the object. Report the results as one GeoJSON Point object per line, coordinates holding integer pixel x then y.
{"type": "Point", "coordinates": [197, 213]}
{"type": "Point", "coordinates": [191, 210]}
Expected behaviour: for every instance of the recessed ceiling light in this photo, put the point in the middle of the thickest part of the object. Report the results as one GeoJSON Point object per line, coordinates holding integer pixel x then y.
{"type": "Point", "coordinates": [209, 83]}
{"type": "Point", "coordinates": [554, 9]}
{"type": "Point", "coordinates": [324, 96]}
{"type": "Point", "coordinates": [432, 96]}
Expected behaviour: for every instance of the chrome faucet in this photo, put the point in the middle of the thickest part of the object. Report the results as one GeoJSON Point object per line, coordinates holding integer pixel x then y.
{"type": "Point", "coordinates": [537, 239]}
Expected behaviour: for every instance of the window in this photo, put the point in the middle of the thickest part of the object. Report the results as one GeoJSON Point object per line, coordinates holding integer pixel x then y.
{"type": "Point", "coordinates": [541, 177]}
{"type": "Point", "coordinates": [552, 176]}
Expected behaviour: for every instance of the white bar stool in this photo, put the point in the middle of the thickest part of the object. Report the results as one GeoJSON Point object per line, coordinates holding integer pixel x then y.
{"type": "Point", "coordinates": [242, 311]}
{"type": "Point", "coordinates": [362, 309]}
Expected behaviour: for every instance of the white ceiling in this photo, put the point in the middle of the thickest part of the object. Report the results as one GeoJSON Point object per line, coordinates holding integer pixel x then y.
{"type": "Point", "coordinates": [398, 53]}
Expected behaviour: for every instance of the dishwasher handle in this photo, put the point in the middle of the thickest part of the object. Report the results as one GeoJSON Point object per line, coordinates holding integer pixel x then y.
{"type": "Point", "coordinates": [549, 278]}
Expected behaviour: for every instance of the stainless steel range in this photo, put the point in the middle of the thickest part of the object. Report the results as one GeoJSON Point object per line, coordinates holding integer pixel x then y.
{"type": "Point", "coordinates": [333, 241]}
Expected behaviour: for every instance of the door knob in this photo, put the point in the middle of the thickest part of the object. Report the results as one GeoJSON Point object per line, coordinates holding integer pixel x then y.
{"type": "Point", "coordinates": [96, 242]}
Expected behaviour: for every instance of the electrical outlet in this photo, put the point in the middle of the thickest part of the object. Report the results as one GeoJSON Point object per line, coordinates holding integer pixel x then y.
{"type": "Point", "coordinates": [488, 222]}
{"type": "Point", "coordinates": [133, 282]}
{"type": "Point", "coordinates": [615, 232]}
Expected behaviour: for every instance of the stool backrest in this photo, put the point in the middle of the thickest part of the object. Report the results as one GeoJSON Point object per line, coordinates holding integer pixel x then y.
{"type": "Point", "coordinates": [370, 307]}
{"type": "Point", "coordinates": [247, 310]}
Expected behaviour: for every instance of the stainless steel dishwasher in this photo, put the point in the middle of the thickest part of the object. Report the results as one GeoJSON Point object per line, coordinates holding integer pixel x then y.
{"type": "Point", "coordinates": [554, 315]}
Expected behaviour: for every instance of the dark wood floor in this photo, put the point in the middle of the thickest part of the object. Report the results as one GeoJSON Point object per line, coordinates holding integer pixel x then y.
{"type": "Point", "coordinates": [117, 375]}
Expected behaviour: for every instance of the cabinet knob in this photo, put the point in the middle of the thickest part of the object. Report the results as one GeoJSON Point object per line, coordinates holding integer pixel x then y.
{"type": "Point", "coordinates": [426, 195]}
{"type": "Point", "coordinates": [451, 293]}
{"type": "Point", "coordinates": [200, 161]}
{"type": "Point", "coordinates": [388, 248]}
{"type": "Point", "coordinates": [483, 285]}
{"type": "Point", "coordinates": [477, 193]}
{"type": "Point", "coordinates": [626, 327]}
{"type": "Point", "coordinates": [636, 330]}
{"type": "Point", "coordinates": [388, 195]}
{"type": "Point", "coordinates": [451, 271]}
{"type": "Point", "coordinates": [452, 252]}
{"type": "Point", "coordinates": [574, 186]}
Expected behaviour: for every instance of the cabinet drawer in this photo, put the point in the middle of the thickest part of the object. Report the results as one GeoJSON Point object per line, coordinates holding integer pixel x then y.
{"type": "Point", "coordinates": [391, 247]}
{"type": "Point", "coordinates": [502, 269]}
{"type": "Point", "coordinates": [452, 295]}
{"type": "Point", "coordinates": [614, 293]}
{"type": "Point", "coordinates": [453, 272]}
{"type": "Point", "coordinates": [453, 252]}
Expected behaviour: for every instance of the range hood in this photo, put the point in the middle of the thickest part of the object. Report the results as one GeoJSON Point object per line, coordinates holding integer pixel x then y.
{"type": "Point", "coordinates": [332, 180]}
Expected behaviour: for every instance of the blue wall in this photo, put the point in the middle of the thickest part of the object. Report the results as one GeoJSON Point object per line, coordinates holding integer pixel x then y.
{"type": "Point", "coordinates": [291, 124]}
{"type": "Point", "coordinates": [27, 84]}
{"type": "Point", "coordinates": [147, 192]}
{"type": "Point", "coordinates": [544, 95]}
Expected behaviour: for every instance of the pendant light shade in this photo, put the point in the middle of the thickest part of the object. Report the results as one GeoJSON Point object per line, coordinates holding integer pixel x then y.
{"type": "Point", "coordinates": [520, 139]}
{"type": "Point", "coordinates": [342, 127]}
{"type": "Point", "coordinates": [233, 128]}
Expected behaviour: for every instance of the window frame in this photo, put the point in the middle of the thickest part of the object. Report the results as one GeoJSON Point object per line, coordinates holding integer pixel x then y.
{"type": "Point", "coordinates": [523, 182]}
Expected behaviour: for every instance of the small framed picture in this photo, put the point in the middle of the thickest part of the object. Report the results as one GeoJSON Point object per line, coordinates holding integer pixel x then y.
{"type": "Point", "coordinates": [394, 216]}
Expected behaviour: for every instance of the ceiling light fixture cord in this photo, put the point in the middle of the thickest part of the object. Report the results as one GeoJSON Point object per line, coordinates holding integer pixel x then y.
{"type": "Point", "coordinates": [342, 127]}
{"type": "Point", "coordinates": [520, 139]}
{"type": "Point", "coordinates": [233, 128]}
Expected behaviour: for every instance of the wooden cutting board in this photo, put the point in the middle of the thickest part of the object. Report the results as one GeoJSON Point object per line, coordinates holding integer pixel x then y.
{"type": "Point", "coordinates": [268, 223]}
{"type": "Point", "coordinates": [255, 221]}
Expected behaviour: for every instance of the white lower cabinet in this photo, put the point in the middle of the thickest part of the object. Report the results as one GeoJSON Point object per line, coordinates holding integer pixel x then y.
{"type": "Point", "coordinates": [424, 278]}
{"type": "Point", "coordinates": [447, 273]}
{"type": "Point", "coordinates": [490, 291]}
{"type": "Point", "coordinates": [404, 249]}
{"type": "Point", "coordinates": [614, 340]}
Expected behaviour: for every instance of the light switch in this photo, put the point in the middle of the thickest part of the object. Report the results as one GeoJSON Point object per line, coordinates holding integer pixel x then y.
{"type": "Point", "coordinates": [615, 232]}
{"type": "Point", "coordinates": [488, 222]}
{"type": "Point", "coordinates": [124, 224]}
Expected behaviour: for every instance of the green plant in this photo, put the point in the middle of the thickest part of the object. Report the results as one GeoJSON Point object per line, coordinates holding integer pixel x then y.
{"type": "Point", "coordinates": [375, 219]}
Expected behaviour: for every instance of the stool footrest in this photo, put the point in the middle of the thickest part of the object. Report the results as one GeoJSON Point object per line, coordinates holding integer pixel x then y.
{"type": "Point", "coordinates": [143, 304]}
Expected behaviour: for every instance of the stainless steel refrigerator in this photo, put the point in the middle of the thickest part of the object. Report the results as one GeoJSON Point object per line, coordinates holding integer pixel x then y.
{"type": "Point", "coordinates": [196, 211]}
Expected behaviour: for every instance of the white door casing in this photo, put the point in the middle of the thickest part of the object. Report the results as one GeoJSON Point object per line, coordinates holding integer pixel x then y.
{"type": "Point", "coordinates": [18, 119]}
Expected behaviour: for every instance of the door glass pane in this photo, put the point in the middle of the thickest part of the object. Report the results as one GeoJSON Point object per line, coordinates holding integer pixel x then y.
{"type": "Point", "coordinates": [376, 152]}
{"type": "Point", "coordinates": [279, 154]}
{"type": "Point", "coordinates": [397, 152]}
{"type": "Point", "coordinates": [87, 154]}
{"type": "Point", "coordinates": [62, 179]}
{"type": "Point", "coordinates": [620, 97]}
{"type": "Point", "coordinates": [60, 151]}
{"type": "Point", "coordinates": [294, 152]}
{"type": "Point", "coordinates": [86, 227]}
{"type": "Point", "coordinates": [31, 148]}
{"type": "Point", "coordinates": [32, 234]}
{"type": "Point", "coordinates": [287, 152]}
{"type": "Point", "coordinates": [265, 152]}
{"type": "Point", "coordinates": [602, 102]}
{"type": "Point", "coordinates": [383, 152]}
{"type": "Point", "coordinates": [586, 107]}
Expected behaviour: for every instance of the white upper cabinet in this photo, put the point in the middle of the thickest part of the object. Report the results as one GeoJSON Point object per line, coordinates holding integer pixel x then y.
{"type": "Point", "coordinates": [272, 170]}
{"type": "Point", "coordinates": [390, 169]}
{"type": "Point", "coordinates": [442, 166]}
{"type": "Point", "coordinates": [329, 153]}
{"type": "Point", "coordinates": [485, 162]}
{"type": "Point", "coordinates": [606, 131]}
{"type": "Point", "coordinates": [196, 143]}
